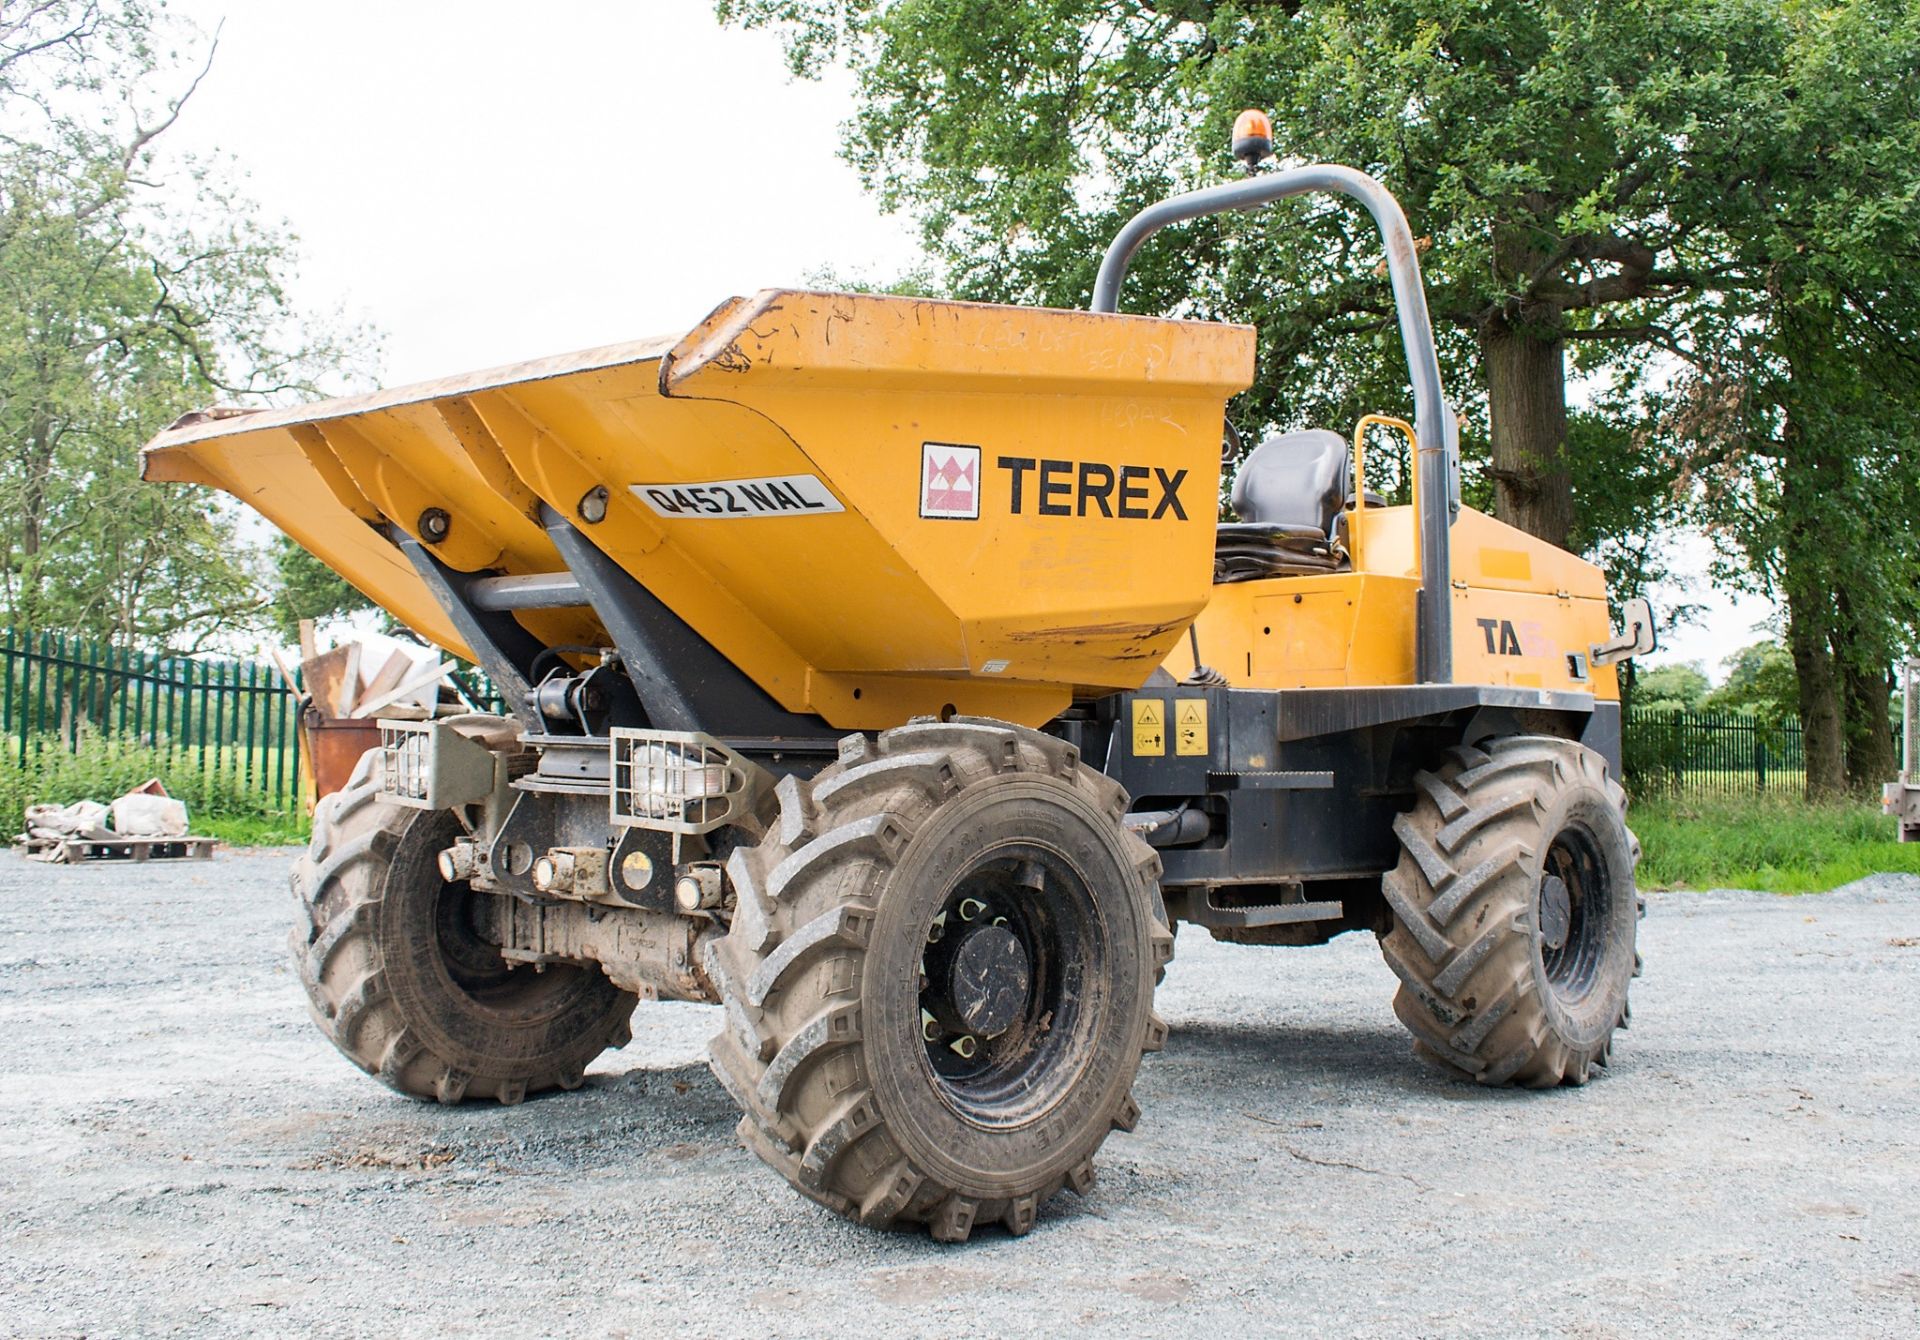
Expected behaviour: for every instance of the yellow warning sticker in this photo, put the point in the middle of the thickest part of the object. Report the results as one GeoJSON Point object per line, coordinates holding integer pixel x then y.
{"type": "Point", "coordinates": [1149, 726]}
{"type": "Point", "coordinates": [1190, 726]}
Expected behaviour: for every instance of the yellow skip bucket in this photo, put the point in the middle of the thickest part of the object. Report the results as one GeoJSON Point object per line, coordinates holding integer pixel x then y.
{"type": "Point", "coordinates": [873, 506]}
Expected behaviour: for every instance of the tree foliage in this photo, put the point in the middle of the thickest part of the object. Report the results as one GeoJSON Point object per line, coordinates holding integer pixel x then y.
{"type": "Point", "coordinates": [1797, 408]}
{"type": "Point", "coordinates": [1548, 155]}
{"type": "Point", "coordinates": [1671, 686]}
{"type": "Point", "coordinates": [306, 588]}
{"type": "Point", "coordinates": [1707, 207]}
{"type": "Point", "coordinates": [132, 289]}
{"type": "Point", "coordinates": [1760, 682]}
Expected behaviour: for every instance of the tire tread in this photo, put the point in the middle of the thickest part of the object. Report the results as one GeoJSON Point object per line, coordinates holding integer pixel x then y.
{"type": "Point", "coordinates": [1460, 941]}
{"type": "Point", "coordinates": [790, 1041]}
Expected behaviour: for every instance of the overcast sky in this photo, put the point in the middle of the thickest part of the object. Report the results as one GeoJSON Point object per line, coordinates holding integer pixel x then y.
{"type": "Point", "coordinates": [487, 182]}
{"type": "Point", "coordinates": [485, 185]}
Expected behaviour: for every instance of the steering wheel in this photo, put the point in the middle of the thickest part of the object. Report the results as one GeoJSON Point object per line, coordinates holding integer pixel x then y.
{"type": "Point", "coordinates": [1231, 447]}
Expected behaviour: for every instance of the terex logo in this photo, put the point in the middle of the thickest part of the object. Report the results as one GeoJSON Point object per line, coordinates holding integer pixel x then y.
{"type": "Point", "coordinates": [949, 481]}
{"type": "Point", "coordinates": [1069, 488]}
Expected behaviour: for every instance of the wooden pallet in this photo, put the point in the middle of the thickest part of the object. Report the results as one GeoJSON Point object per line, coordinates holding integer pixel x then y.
{"type": "Point", "coordinates": [72, 851]}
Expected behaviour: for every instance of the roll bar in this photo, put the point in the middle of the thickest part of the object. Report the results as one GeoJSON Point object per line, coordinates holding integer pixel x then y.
{"type": "Point", "coordinates": [1437, 435]}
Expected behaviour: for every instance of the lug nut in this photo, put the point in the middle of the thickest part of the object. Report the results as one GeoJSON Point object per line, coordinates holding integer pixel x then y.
{"type": "Point", "coordinates": [929, 1027]}
{"type": "Point", "coordinates": [971, 908]}
{"type": "Point", "coordinates": [964, 1046]}
{"type": "Point", "coordinates": [938, 929]}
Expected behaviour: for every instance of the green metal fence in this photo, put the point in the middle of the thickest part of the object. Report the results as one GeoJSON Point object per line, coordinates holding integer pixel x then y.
{"type": "Point", "coordinates": [233, 723]}
{"type": "Point", "coordinates": [225, 723]}
{"type": "Point", "coordinates": [1679, 753]}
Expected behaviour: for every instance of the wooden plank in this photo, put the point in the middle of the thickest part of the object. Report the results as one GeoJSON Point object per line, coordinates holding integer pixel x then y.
{"type": "Point", "coordinates": [75, 850]}
{"type": "Point", "coordinates": [371, 705]}
{"type": "Point", "coordinates": [140, 849]}
{"type": "Point", "coordinates": [349, 682]}
{"type": "Point", "coordinates": [388, 678]}
{"type": "Point", "coordinates": [333, 678]}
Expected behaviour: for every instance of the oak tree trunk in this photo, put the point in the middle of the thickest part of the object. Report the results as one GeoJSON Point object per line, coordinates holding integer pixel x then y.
{"type": "Point", "coordinates": [1866, 690]}
{"type": "Point", "coordinates": [1820, 739]}
{"type": "Point", "coordinates": [1806, 481]}
{"type": "Point", "coordinates": [1870, 755]}
{"type": "Point", "coordinates": [1527, 397]}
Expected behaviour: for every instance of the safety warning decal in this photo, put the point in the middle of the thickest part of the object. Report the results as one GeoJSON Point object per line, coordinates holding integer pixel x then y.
{"type": "Point", "coordinates": [780, 495]}
{"type": "Point", "coordinates": [1190, 726]}
{"type": "Point", "coordinates": [1149, 726]}
{"type": "Point", "coordinates": [949, 482]}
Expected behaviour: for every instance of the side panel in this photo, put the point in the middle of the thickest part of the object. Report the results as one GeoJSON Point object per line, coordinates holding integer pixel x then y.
{"type": "Point", "coordinates": [1047, 481]}
{"type": "Point", "coordinates": [270, 473]}
{"type": "Point", "coordinates": [1305, 785]}
{"type": "Point", "coordinates": [1306, 632]}
{"type": "Point", "coordinates": [1524, 616]}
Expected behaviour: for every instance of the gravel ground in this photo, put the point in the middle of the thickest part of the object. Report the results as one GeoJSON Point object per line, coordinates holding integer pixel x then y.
{"type": "Point", "coordinates": [180, 1151]}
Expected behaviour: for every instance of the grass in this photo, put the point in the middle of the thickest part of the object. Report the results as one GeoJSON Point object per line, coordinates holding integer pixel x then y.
{"type": "Point", "coordinates": [1776, 845]}
{"type": "Point", "coordinates": [278, 830]}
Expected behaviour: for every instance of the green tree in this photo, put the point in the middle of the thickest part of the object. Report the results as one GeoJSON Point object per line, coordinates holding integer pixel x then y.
{"type": "Point", "coordinates": [1671, 686]}
{"type": "Point", "coordinates": [131, 290]}
{"type": "Point", "coordinates": [308, 589]}
{"type": "Point", "coordinates": [1799, 403]}
{"type": "Point", "coordinates": [1760, 682]}
{"type": "Point", "coordinates": [1544, 151]}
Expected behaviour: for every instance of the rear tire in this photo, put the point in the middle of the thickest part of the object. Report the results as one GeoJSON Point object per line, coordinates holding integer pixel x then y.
{"type": "Point", "coordinates": [938, 980]}
{"type": "Point", "coordinates": [399, 981]}
{"type": "Point", "coordinates": [1514, 912]}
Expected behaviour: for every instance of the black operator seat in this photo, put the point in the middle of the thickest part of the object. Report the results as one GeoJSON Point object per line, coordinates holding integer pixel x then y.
{"type": "Point", "coordinates": [1288, 494]}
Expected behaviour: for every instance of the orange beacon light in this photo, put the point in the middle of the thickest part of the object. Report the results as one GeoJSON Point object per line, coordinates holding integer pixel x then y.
{"type": "Point", "coordinates": [1252, 137]}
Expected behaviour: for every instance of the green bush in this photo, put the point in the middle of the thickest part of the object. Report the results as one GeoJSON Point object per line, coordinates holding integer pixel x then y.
{"type": "Point", "coordinates": [105, 767]}
{"type": "Point", "coordinates": [1777, 845]}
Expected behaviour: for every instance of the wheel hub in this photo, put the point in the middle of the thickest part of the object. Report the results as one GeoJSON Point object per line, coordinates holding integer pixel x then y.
{"type": "Point", "coordinates": [1577, 904]}
{"type": "Point", "coordinates": [1002, 994]}
{"type": "Point", "coordinates": [1556, 912]}
{"type": "Point", "coordinates": [987, 980]}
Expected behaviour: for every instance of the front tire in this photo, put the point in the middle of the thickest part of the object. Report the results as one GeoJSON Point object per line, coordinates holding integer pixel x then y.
{"type": "Point", "coordinates": [1514, 912]}
{"type": "Point", "coordinates": [939, 976]}
{"type": "Point", "coordinates": [402, 984]}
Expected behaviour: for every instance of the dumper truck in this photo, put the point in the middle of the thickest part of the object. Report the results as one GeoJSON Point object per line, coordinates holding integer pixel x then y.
{"type": "Point", "coordinates": [881, 670]}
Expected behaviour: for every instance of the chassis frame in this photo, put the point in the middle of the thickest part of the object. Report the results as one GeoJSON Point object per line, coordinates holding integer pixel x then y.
{"type": "Point", "coordinates": [1277, 832]}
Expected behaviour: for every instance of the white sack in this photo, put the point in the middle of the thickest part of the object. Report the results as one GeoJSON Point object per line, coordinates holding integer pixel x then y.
{"type": "Point", "coordinates": [82, 819]}
{"type": "Point", "coordinates": [140, 815]}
